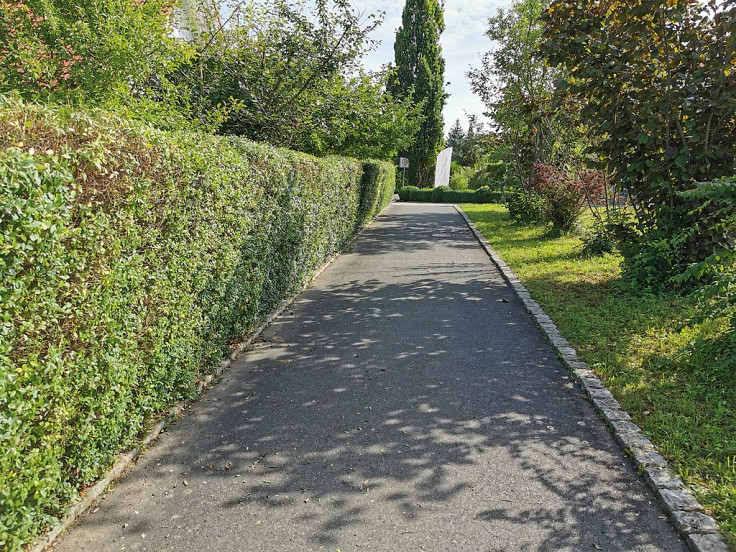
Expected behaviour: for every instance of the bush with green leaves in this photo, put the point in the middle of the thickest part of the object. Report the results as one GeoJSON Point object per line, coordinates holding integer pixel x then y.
{"type": "Point", "coordinates": [716, 275]}
{"type": "Point", "coordinates": [287, 73]}
{"type": "Point", "coordinates": [445, 194]}
{"type": "Point", "coordinates": [655, 259]}
{"type": "Point", "coordinates": [131, 260]}
{"type": "Point", "coordinates": [491, 175]}
{"type": "Point", "coordinates": [95, 52]}
{"type": "Point", "coordinates": [377, 189]}
{"type": "Point", "coordinates": [656, 84]}
{"type": "Point", "coordinates": [598, 240]}
{"type": "Point", "coordinates": [459, 177]}
{"type": "Point", "coordinates": [525, 206]}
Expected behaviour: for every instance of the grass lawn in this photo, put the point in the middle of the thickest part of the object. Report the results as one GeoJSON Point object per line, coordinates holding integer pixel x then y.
{"type": "Point", "coordinates": [665, 372]}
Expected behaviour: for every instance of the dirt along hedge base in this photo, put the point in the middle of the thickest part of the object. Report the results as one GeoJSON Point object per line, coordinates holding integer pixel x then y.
{"type": "Point", "coordinates": [132, 262]}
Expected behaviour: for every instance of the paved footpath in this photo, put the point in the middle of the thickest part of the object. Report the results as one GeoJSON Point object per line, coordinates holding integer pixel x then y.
{"type": "Point", "coordinates": [405, 402]}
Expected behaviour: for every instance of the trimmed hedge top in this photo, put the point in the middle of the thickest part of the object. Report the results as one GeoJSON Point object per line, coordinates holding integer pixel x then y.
{"type": "Point", "coordinates": [130, 261]}
{"type": "Point", "coordinates": [444, 194]}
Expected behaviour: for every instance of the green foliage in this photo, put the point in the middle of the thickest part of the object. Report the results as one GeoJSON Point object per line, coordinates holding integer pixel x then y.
{"type": "Point", "coordinates": [419, 75]}
{"type": "Point", "coordinates": [525, 207]}
{"type": "Point", "coordinates": [459, 181]}
{"type": "Point", "coordinates": [717, 273]}
{"type": "Point", "coordinates": [101, 52]}
{"type": "Point", "coordinates": [459, 176]}
{"type": "Point", "coordinates": [517, 88]}
{"type": "Point", "coordinates": [467, 147]}
{"type": "Point", "coordinates": [444, 194]}
{"type": "Point", "coordinates": [130, 261]}
{"type": "Point", "coordinates": [650, 260]}
{"type": "Point", "coordinates": [657, 259]}
{"type": "Point", "coordinates": [377, 189]}
{"type": "Point", "coordinates": [455, 139]}
{"type": "Point", "coordinates": [655, 80]}
{"type": "Point", "coordinates": [598, 241]}
{"type": "Point", "coordinates": [288, 73]}
{"type": "Point", "coordinates": [492, 175]}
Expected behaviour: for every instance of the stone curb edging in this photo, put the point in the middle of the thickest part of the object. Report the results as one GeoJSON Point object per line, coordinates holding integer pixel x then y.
{"type": "Point", "coordinates": [91, 495]}
{"type": "Point", "coordinates": [699, 530]}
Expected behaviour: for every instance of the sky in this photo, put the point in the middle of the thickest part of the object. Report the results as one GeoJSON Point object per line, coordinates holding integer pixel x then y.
{"type": "Point", "coordinates": [463, 43]}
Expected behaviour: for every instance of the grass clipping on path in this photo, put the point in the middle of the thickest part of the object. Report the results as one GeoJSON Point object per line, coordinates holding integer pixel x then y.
{"type": "Point", "coordinates": [653, 360]}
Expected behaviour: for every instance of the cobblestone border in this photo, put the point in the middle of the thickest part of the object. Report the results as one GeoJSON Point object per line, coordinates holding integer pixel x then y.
{"type": "Point", "coordinates": [699, 530]}
{"type": "Point", "coordinates": [91, 495]}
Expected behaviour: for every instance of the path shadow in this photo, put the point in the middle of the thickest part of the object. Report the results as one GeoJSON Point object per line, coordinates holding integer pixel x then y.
{"type": "Point", "coordinates": [362, 408]}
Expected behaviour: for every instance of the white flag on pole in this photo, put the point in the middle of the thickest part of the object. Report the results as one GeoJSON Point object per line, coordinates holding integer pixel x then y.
{"type": "Point", "coordinates": [442, 169]}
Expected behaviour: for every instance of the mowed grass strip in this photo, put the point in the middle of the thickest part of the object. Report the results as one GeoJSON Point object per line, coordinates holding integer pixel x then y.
{"type": "Point", "coordinates": [665, 371]}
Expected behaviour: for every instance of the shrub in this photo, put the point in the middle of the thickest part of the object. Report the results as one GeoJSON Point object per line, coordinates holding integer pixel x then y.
{"type": "Point", "coordinates": [598, 241]}
{"type": "Point", "coordinates": [377, 189]}
{"type": "Point", "coordinates": [650, 260]}
{"type": "Point", "coordinates": [459, 176]}
{"type": "Point", "coordinates": [654, 260]}
{"type": "Point", "coordinates": [104, 52]}
{"type": "Point", "coordinates": [130, 261]}
{"type": "Point", "coordinates": [459, 181]}
{"type": "Point", "coordinates": [444, 194]}
{"type": "Point", "coordinates": [717, 273]}
{"type": "Point", "coordinates": [487, 195]}
{"type": "Point", "coordinates": [563, 196]}
{"type": "Point", "coordinates": [438, 193]}
{"type": "Point", "coordinates": [525, 207]}
{"type": "Point", "coordinates": [491, 175]}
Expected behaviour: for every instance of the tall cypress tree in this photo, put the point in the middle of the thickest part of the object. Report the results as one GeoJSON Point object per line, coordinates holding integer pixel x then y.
{"type": "Point", "coordinates": [420, 71]}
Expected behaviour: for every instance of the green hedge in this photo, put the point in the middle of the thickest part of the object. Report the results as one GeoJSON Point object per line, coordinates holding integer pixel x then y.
{"type": "Point", "coordinates": [130, 261]}
{"type": "Point", "coordinates": [377, 189]}
{"type": "Point", "coordinates": [443, 194]}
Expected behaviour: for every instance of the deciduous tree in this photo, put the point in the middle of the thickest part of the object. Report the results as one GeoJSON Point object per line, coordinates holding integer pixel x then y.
{"type": "Point", "coordinates": [656, 80]}
{"type": "Point", "coordinates": [517, 88]}
{"type": "Point", "coordinates": [290, 74]}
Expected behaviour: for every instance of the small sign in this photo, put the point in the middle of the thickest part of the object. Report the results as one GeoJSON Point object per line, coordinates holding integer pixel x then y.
{"type": "Point", "coordinates": [403, 163]}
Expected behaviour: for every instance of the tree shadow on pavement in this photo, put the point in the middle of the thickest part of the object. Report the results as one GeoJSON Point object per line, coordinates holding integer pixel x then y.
{"type": "Point", "coordinates": [363, 419]}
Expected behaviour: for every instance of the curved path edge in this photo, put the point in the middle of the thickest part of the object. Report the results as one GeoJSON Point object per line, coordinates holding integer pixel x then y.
{"type": "Point", "coordinates": [699, 530]}
{"type": "Point", "coordinates": [90, 496]}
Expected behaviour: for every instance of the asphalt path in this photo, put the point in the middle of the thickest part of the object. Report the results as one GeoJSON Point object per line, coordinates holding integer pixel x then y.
{"type": "Point", "coordinates": [405, 401]}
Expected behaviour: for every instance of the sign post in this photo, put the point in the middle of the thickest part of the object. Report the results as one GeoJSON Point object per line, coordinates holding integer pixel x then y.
{"type": "Point", "coordinates": [442, 168]}
{"type": "Point", "coordinates": [403, 164]}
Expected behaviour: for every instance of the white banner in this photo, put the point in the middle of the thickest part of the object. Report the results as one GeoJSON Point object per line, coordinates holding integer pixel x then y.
{"type": "Point", "coordinates": [442, 169]}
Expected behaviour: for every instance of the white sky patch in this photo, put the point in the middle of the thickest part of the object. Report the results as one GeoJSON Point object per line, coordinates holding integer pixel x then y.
{"type": "Point", "coordinates": [463, 42]}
